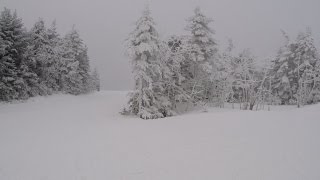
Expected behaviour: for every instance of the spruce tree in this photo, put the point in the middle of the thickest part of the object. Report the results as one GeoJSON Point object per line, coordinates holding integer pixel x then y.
{"type": "Point", "coordinates": [202, 39]}
{"type": "Point", "coordinates": [84, 69]}
{"type": "Point", "coordinates": [201, 55]}
{"type": "Point", "coordinates": [72, 47]}
{"type": "Point", "coordinates": [315, 95]}
{"type": "Point", "coordinates": [39, 62]}
{"type": "Point", "coordinates": [53, 61]}
{"type": "Point", "coordinates": [39, 53]}
{"type": "Point", "coordinates": [294, 69]}
{"type": "Point", "coordinates": [144, 51]}
{"type": "Point", "coordinates": [13, 44]}
{"type": "Point", "coordinates": [56, 60]}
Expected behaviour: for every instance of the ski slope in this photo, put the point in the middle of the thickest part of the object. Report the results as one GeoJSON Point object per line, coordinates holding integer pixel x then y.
{"type": "Point", "coordinates": [85, 138]}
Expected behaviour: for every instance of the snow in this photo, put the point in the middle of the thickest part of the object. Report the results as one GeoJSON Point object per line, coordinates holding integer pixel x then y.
{"type": "Point", "coordinates": [85, 138]}
{"type": "Point", "coordinates": [285, 79]}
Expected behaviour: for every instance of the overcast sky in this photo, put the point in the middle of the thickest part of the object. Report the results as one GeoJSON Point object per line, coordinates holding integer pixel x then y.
{"type": "Point", "coordinates": [104, 24]}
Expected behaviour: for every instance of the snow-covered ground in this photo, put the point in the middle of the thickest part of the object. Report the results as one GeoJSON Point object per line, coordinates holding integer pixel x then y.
{"type": "Point", "coordinates": [84, 138]}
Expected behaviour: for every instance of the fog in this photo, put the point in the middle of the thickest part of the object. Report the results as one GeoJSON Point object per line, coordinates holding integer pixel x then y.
{"type": "Point", "coordinates": [104, 24]}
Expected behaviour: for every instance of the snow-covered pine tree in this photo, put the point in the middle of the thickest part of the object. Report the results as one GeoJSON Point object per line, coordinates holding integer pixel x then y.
{"type": "Point", "coordinates": [2, 45]}
{"type": "Point", "coordinates": [13, 37]}
{"type": "Point", "coordinates": [293, 71]}
{"type": "Point", "coordinates": [39, 62]}
{"type": "Point", "coordinates": [3, 68]}
{"type": "Point", "coordinates": [52, 75]}
{"type": "Point", "coordinates": [309, 57]}
{"type": "Point", "coordinates": [201, 54]}
{"type": "Point", "coordinates": [84, 69]}
{"type": "Point", "coordinates": [38, 56]}
{"type": "Point", "coordinates": [279, 73]}
{"type": "Point", "coordinates": [143, 47]}
{"type": "Point", "coordinates": [39, 40]}
{"type": "Point", "coordinates": [72, 48]}
{"type": "Point", "coordinates": [315, 95]}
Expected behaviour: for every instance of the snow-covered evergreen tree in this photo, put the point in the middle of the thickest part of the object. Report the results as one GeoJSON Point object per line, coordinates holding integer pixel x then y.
{"type": "Point", "coordinates": [39, 62]}
{"type": "Point", "coordinates": [13, 45]}
{"type": "Point", "coordinates": [84, 69]}
{"type": "Point", "coordinates": [202, 51]}
{"type": "Point", "coordinates": [204, 46]}
{"type": "Point", "coordinates": [308, 57]}
{"type": "Point", "coordinates": [75, 64]}
{"type": "Point", "coordinates": [72, 49]}
{"type": "Point", "coordinates": [147, 100]}
{"type": "Point", "coordinates": [52, 75]}
{"type": "Point", "coordinates": [315, 95]}
{"type": "Point", "coordinates": [38, 55]}
{"type": "Point", "coordinates": [293, 71]}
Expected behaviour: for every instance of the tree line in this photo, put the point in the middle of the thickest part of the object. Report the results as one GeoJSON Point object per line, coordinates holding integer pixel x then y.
{"type": "Point", "coordinates": [185, 70]}
{"type": "Point", "coordinates": [39, 62]}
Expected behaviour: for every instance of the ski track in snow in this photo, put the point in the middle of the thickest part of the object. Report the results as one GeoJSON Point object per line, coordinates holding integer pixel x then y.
{"type": "Point", "coordinates": [85, 138]}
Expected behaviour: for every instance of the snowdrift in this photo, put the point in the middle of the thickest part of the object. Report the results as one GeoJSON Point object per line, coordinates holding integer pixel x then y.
{"type": "Point", "coordinates": [85, 138]}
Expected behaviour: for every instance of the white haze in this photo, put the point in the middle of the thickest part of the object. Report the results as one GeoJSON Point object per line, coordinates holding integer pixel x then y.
{"type": "Point", "coordinates": [104, 24]}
